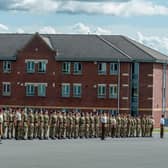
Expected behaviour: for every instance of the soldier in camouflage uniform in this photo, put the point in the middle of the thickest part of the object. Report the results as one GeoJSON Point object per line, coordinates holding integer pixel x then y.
{"type": "Point", "coordinates": [11, 131]}
{"type": "Point", "coordinates": [128, 125]}
{"type": "Point", "coordinates": [87, 123]}
{"type": "Point", "coordinates": [36, 124]}
{"type": "Point", "coordinates": [118, 129]}
{"type": "Point", "coordinates": [41, 125]}
{"type": "Point", "coordinates": [76, 122]}
{"type": "Point", "coordinates": [30, 125]}
{"type": "Point", "coordinates": [122, 126]}
{"type": "Point", "coordinates": [81, 125]}
{"type": "Point", "coordinates": [25, 125]}
{"type": "Point", "coordinates": [91, 127]}
{"type": "Point", "coordinates": [46, 125]}
{"type": "Point", "coordinates": [113, 126]}
{"type": "Point", "coordinates": [125, 123]}
{"type": "Point", "coordinates": [18, 124]}
{"type": "Point", "coordinates": [138, 126]}
{"type": "Point", "coordinates": [152, 122]}
{"type": "Point", "coordinates": [97, 125]}
{"type": "Point", "coordinates": [143, 123]}
{"type": "Point", "coordinates": [60, 125]}
{"type": "Point", "coordinates": [53, 124]}
{"type": "Point", "coordinates": [5, 123]}
{"type": "Point", "coordinates": [69, 125]}
{"type": "Point", "coordinates": [63, 134]}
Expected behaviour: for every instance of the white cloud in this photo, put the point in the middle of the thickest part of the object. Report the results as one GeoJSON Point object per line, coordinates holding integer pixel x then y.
{"type": "Point", "coordinates": [156, 42]}
{"type": "Point", "coordinates": [100, 30]}
{"type": "Point", "coordinates": [81, 28]}
{"type": "Point", "coordinates": [113, 7]}
{"type": "Point", "coordinates": [3, 27]}
{"type": "Point", "coordinates": [48, 30]}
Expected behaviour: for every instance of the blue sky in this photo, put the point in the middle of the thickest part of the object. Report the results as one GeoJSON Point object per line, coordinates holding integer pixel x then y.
{"type": "Point", "coordinates": [143, 20]}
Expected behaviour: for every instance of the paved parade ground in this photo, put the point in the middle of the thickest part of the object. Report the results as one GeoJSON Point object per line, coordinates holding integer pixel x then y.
{"type": "Point", "coordinates": [85, 153]}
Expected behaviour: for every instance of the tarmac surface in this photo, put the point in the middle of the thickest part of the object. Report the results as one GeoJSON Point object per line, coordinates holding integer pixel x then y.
{"type": "Point", "coordinates": [86, 153]}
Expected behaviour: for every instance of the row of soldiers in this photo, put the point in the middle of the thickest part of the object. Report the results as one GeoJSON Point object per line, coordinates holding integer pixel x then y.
{"type": "Point", "coordinates": [32, 124]}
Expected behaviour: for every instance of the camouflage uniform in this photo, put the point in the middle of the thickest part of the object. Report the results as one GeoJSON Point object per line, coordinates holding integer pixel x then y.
{"type": "Point", "coordinates": [53, 124]}
{"type": "Point", "coordinates": [113, 127]}
{"type": "Point", "coordinates": [46, 125]}
{"type": "Point", "coordinates": [5, 124]}
{"type": "Point", "coordinates": [41, 125]}
{"type": "Point", "coordinates": [87, 123]}
{"type": "Point", "coordinates": [36, 124]}
{"type": "Point", "coordinates": [81, 126]}
{"type": "Point", "coordinates": [91, 128]}
{"type": "Point", "coordinates": [11, 125]}
{"type": "Point", "coordinates": [76, 121]}
{"type": "Point", "coordinates": [138, 126]}
{"type": "Point", "coordinates": [118, 129]}
{"type": "Point", "coordinates": [97, 125]}
{"type": "Point", "coordinates": [31, 125]}
{"type": "Point", "coordinates": [25, 126]}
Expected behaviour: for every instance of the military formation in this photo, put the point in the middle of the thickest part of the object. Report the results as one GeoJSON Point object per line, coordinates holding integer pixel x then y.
{"type": "Point", "coordinates": [43, 124]}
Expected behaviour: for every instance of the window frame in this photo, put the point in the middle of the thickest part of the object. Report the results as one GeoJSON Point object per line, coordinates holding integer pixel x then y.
{"type": "Point", "coordinates": [38, 91]}
{"type": "Point", "coordinates": [32, 93]}
{"type": "Point", "coordinates": [6, 85]}
{"type": "Point", "coordinates": [43, 68]}
{"type": "Point", "coordinates": [105, 93]}
{"type": "Point", "coordinates": [74, 91]}
{"type": "Point", "coordinates": [5, 66]}
{"type": "Point", "coordinates": [111, 94]}
{"type": "Point", "coordinates": [112, 68]}
{"type": "Point", "coordinates": [103, 69]}
{"type": "Point", "coordinates": [66, 67]}
{"type": "Point", "coordinates": [63, 91]}
{"type": "Point", "coordinates": [31, 70]}
{"type": "Point", "coordinates": [77, 70]}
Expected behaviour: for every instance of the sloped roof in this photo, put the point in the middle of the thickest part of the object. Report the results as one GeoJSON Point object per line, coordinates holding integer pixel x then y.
{"type": "Point", "coordinates": [78, 47]}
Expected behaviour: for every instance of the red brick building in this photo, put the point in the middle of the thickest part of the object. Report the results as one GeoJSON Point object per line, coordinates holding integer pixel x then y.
{"type": "Point", "coordinates": [83, 72]}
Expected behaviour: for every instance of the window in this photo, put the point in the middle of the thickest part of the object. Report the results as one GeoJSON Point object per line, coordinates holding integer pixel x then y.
{"type": "Point", "coordinates": [6, 88]}
{"type": "Point", "coordinates": [77, 68]}
{"type": "Point", "coordinates": [113, 91]}
{"type": "Point", "coordinates": [30, 67]}
{"type": "Point", "coordinates": [42, 66]}
{"type": "Point", "coordinates": [30, 90]}
{"type": "Point", "coordinates": [101, 68]}
{"type": "Point", "coordinates": [113, 68]}
{"type": "Point", "coordinates": [65, 90]}
{"type": "Point", "coordinates": [42, 90]}
{"type": "Point", "coordinates": [6, 66]}
{"type": "Point", "coordinates": [77, 90]}
{"type": "Point", "coordinates": [101, 90]}
{"type": "Point", "coordinates": [66, 67]}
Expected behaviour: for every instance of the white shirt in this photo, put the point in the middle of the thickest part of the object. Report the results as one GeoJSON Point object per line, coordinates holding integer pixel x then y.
{"type": "Point", "coordinates": [1, 118]}
{"type": "Point", "coordinates": [18, 116]}
{"type": "Point", "coordinates": [162, 121]}
{"type": "Point", "coordinates": [104, 119]}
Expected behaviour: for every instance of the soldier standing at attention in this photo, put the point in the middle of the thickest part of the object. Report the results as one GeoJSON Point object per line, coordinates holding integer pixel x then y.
{"type": "Point", "coordinates": [76, 125]}
{"type": "Point", "coordinates": [87, 123]}
{"type": "Point", "coordinates": [113, 126]}
{"type": "Point", "coordinates": [81, 125]}
{"type": "Point", "coordinates": [30, 125]}
{"type": "Point", "coordinates": [96, 125]}
{"type": "Point", "coordinates": [60, 125]}
{"type": "Point", "coordinates": [41, 125]}
{"type": "Point", "coordinates": [11, 123]}
{"type": "Point", "coordinates": [46, 125]}
{"type": "Point", "coordinates": [103, 124]}
{"type": "Point", "coordinates": [53, 122]}
{"type": "Point", "coordinates": [25, 125]}
{"type": "Point", "coordinates": [152, 123]}
{"type": "Point", "coordinates": [5, 123]}
{"type": "Point", "coordinates": [36, 124]}
{"type": "Point", "coordinates": [1, 125]}
{"type": "Point", "coordinates": [118, 129]}
{"type": "Point", "coordinates": [162, 123]}
{"type": "Point", "coordinates": [91, 127]}
{"type": "Point", "coordinates": [64, 125]}
{"type": "Point", "coordinates": [138, 126]}
{"type": "Point", "coordinates": [18, 121]}
{"type": "Point", "coordinates": [143, 123]}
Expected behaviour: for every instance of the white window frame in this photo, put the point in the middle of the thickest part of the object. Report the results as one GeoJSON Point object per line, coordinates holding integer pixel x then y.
{"type": "Point", "coordinates": [43, 67]}
{"type": "Point", "coordinates": [113, 70]}
{"type": "Point", "coordinates": [40, 91]}
{"type": "Point", "coordinates": [7, 66]}
{"type": "Point", "coordinates": [77, 68]}
{"type": "Point", "coordinates": [113, 91]}
{"type": "Point", "coordinates": [66, 67]}
{"type": "Point", "coordinates": [64, 89]}
{"type": "Point", "coordinates": [6, 88]}
{"type": "Point", "coordinates": [102, 68]}
{"type": "Point", "coordinates": [77, 90]}
{"type": "Point", "coordinates": [101, 94]}
{"type": "Point", "coordinates": [30, 68]}
{"type": "Point", "coordinates": [32, 93]}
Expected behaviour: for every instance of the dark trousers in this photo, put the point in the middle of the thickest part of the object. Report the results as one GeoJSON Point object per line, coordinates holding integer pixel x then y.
{"type": "Point", "coordinates": [103, 131]}
{"type": "Point", "coordinates": [161, 131]}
